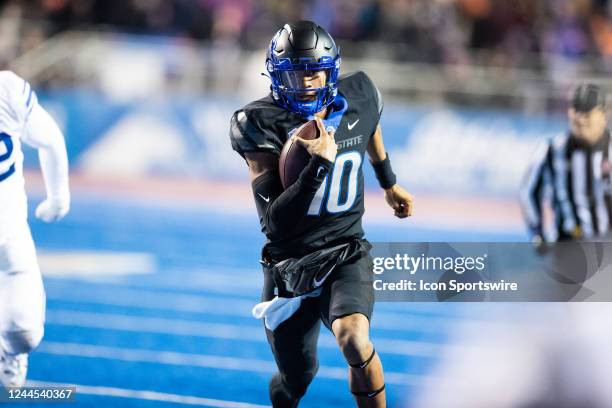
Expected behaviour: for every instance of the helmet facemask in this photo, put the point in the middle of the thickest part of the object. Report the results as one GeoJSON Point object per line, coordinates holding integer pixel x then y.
{"type": "Point", "coordinates": [288, 87]}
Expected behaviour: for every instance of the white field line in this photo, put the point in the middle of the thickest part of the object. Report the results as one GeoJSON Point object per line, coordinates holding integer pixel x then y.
{"type": "Point", "coordinates": [95, 264]}
{"type": "Point", "coordinates": [146, 395]}
{"type": "Point", "coordinates": [203, 361]}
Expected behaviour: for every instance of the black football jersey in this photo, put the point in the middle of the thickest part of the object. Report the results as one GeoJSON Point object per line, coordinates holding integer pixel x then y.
{"type": "Point", "coordinates": [335, 213]}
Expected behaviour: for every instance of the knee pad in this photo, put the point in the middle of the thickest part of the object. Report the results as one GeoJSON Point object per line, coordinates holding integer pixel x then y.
{"type": "Point", "coordinates": [21, 341]}
{"type": "Point", "coordinates": [280, 395]}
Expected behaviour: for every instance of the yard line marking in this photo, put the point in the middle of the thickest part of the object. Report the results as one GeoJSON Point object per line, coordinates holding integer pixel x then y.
{"type": "Point", "coordinates": [202, 360]}
{"type": "Point", "coordinates": [177, 327]}
{"type": "Point", "coordinates": [95, 264]}
{"type": "Point", "coordinates": [147, 395]}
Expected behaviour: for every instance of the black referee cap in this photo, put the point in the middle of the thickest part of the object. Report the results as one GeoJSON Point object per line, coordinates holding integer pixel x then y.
{"type": "Point", "coordinates": [586, 97]}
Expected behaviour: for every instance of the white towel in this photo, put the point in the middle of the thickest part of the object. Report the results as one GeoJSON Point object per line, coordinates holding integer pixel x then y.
{"type": "Point", "coordinates": [279, 309]}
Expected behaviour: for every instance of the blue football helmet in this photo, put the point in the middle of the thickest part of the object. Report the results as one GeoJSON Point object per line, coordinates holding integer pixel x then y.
{"type": "Point", "coordinates": [298, 53]}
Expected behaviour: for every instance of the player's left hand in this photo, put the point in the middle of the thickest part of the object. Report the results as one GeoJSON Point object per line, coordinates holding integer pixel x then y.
{"type": "Point", "coordinates": [400, 200]}
{"type": "Point", "coordinates": [52, 209]}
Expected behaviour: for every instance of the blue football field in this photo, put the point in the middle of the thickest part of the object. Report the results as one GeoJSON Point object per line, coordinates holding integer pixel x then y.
{"type": "Point", "coordinates": [156, 311]}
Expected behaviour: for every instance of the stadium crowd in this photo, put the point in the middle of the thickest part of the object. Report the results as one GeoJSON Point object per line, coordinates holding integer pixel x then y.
{"type": "Point", "coordinates": [439, 31]}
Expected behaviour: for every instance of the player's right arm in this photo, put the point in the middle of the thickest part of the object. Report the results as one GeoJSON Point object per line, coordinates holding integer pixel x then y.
{"type": "Point", "coordinates": [324, 146]}
{"type": "Point", "coordinates": [42, 133]}
{"type": "Point", "coordinates": [531, 194]}
{"type": "Point", "coordinates": [279, 209]}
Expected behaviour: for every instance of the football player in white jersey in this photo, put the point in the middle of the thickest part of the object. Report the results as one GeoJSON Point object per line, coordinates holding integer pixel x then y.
{"type": "Point", "coordinates": [22, 296]}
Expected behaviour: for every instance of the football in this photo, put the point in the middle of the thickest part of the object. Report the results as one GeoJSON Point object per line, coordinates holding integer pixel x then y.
{"type": "Point", "coordinates": [294, 157]}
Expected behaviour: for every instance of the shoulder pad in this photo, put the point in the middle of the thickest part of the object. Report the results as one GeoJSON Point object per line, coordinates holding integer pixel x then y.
{"type": "Point", "coordinates": [17, 98]}
{"type": "Point", "coordinates": [251, 129]}
{"type": "Point", "coordinates": [360, 82]}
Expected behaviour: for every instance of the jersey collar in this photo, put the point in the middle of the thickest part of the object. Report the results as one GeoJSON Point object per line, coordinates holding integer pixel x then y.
{"type": "Point", "coordinates": [335, 111]}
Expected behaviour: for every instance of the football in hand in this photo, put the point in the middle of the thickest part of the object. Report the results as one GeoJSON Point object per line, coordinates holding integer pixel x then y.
{"type": "Point", "coordinates": [294, 157]}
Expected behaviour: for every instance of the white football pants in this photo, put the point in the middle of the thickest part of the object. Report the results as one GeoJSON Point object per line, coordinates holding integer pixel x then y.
{"type": "Point", "coordinates": [22, 296]}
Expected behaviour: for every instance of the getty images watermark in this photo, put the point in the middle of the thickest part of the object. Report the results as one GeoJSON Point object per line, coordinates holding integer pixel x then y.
{"type": "Point", "coordinates": [412, 265]}
{"type": "Point", "coordinates": [570, 271]}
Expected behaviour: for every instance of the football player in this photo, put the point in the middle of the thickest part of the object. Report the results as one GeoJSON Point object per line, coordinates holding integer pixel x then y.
{"type": "Point", "coordinates": [315, 251]}
{"type": "Point", "coordinates": [22, 296]}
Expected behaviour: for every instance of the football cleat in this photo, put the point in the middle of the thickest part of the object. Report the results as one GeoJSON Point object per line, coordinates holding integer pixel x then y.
{"type": "Point", "coordinates": [13, 369]}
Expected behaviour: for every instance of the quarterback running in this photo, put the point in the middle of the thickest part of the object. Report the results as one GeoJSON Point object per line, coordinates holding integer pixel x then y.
{"type": "Point", "coordinates": [316, 262]}
{"type": "Point", "coordinates": [22, 296]}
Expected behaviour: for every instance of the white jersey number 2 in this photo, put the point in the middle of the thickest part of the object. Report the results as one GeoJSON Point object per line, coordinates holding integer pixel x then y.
{"type": "Point", "coordinates": [6, 151]}
{"type": "Point", "coordinates": [346, 165]}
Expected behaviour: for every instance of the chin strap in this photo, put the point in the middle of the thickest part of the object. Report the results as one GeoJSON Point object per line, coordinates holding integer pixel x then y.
{"type": "Point", "coordinates": [362, 365]}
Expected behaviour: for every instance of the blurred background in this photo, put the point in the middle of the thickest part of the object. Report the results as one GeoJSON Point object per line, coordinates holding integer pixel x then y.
{"type": "Point", "coordinates": [151, 278]}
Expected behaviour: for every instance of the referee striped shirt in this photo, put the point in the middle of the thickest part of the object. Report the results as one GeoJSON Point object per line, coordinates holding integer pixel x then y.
{"type": "Point", "coordinates": [575, 178]}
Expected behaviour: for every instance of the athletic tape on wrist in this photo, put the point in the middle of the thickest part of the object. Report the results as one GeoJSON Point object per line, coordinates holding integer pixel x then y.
{"type": "Point", "coordinates": [384, 173]}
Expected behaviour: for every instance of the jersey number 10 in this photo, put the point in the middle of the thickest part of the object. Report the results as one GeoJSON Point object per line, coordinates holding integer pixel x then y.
{"type": "Point", "coordinates": [338, 173]}
{"type": "Point", "coordinates": [8, 143]}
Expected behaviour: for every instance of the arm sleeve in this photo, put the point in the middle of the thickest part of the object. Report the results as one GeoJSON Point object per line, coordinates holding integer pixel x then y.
{"type": "Point", "coordinates": [531, 190]}
{"type": "Point", "coordinates": [280, 210]}
{"type": "Point", "coordinates": [42, 133]}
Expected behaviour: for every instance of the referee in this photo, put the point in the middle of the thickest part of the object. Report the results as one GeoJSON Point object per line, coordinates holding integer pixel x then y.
{"type": "Point", "coordinates": [572, 171]}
